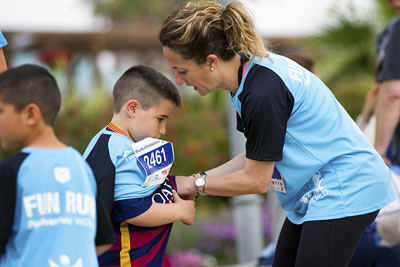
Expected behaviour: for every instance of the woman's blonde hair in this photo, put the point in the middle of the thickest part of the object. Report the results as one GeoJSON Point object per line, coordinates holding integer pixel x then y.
{"type": "Point", "coordinates": [202, 28]}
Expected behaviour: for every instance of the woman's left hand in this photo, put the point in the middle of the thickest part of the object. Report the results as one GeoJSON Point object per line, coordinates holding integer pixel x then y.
{"type": "Point", "coordinates": [186, 187]}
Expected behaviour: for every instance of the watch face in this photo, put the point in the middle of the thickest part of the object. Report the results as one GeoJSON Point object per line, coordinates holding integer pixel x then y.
{"type": "Point", "coordinates": [200, 181]}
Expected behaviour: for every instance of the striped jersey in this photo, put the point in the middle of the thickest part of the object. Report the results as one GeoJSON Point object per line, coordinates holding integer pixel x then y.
{"type": "Point", "coordinates": [135, 245]}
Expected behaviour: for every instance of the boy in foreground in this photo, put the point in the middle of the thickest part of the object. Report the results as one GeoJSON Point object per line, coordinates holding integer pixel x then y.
{"type": "Point", "coordinates": [48, 191]}
{"type": "Point", "coordinates": [142, 201]}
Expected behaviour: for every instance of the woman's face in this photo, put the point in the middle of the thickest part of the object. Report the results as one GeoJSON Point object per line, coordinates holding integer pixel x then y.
{"type": "Point", "coordinates": [201, 77]}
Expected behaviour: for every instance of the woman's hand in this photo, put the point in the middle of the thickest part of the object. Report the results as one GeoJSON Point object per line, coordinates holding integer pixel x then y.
{"type": "Point", "coordinates": [186, 187]}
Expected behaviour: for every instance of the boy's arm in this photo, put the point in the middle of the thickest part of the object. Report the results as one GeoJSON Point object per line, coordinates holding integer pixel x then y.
{"type": "Point", "coordinates": [105, 232]}
{"type": "Point", "coordinates": [160, 214]}
{"type": "Point", "coordinates": [8, 197]}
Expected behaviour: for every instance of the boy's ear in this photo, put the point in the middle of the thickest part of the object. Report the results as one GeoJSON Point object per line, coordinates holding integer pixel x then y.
{"type": "Point", "coordinates": [132, 107]}
{"type": "Point", "coordinates": [32, 114]}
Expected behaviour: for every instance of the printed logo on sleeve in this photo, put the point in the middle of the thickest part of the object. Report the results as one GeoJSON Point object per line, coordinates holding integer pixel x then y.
{"type": "Point", "coordinates": [296, 72]}
{"type": "Point", "coordinates": [156, 157]}
{"type": "Point", "coordinates": [126, 154]}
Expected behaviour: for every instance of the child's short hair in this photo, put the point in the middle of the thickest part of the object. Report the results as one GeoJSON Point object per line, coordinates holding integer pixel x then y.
{"type": "Point", "coordinates": [146, 85]}
{"type": "Point", "coordinates": [303, 59]}
{"type": "Point", "coordinates": [27, 84]}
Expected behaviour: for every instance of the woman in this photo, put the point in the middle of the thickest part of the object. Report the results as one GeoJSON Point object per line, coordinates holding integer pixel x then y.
{"type": "Point", "coordinates": [326, 174]}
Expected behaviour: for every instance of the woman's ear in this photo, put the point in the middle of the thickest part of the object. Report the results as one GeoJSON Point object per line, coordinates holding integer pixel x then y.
{"type": "Point", "coordinates": [132, 107]}
{"type": "Point", "coordinates": [212, 61]}
{"type": "Point", "coordinates": [32, 114]}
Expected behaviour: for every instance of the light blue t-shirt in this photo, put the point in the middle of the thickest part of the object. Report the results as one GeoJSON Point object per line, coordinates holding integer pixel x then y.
{"type": "Point", "coordinates": [3, 41]}
{"type": "Point", "coordinates": [55, 212]}
{"type": "Point", "coordinates": [328, 168]}
{"type": "Point", "coordinates": [129, 174]}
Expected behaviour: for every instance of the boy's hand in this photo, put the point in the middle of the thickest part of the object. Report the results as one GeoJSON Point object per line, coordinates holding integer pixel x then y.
{"type": "Point", "coordinates": [187, 207]}
{"type": "Point", "coordinates": [187, 189]}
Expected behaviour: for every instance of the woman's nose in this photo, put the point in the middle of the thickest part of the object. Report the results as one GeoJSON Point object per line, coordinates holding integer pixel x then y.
{"type": "Point", "coordinates": [179, 79]}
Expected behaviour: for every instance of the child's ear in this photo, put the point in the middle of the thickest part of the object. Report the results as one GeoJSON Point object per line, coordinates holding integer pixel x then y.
{"type": "Point", "coordinates": [32, 114]}
{"type": "Point", "coordinates": [132, 107]}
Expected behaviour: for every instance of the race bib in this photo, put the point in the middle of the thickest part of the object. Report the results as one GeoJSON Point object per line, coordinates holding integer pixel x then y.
{"type": "Point", "coordinates": [277, 182]}
{"type": "Point", "coordinates": [156, 157]}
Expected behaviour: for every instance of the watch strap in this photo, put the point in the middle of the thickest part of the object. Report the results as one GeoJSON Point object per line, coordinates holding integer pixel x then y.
{"type": "Point", "coordinates": [200, 189]}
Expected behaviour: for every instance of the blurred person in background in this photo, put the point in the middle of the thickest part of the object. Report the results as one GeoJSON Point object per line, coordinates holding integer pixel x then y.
{"type": "Point", "coordinates": [379, 120]}
{"type": "Point", "coordinates": [388, 98]}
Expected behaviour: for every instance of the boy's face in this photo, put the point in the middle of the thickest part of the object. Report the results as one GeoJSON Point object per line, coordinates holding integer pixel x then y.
{"type": "Point", "coordinates": [151, 122]}
{"type": "Point", "coordinates": [11, 125]}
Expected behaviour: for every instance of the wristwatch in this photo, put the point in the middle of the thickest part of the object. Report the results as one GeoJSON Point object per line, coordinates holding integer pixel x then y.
{"type": "Point", "coordinates": [200, 182]}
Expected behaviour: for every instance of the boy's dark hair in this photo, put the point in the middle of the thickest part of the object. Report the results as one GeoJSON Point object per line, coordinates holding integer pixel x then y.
{"type": "Point", "coordinates": [146, 85]}
{"type": "Point", "coordinates": [303, 60]}
{"type": "Point", "coordinates": [27, 84]}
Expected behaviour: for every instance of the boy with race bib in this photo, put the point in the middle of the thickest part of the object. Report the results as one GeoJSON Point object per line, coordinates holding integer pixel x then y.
{"type": "Point", "coordinates": [49, 214]}
{"type": "Point", "coordinates": [131, 166]}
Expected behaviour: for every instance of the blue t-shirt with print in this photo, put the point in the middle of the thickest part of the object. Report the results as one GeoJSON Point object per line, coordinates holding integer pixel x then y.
{"type": "Point", "coordinates": [55, 209]}
{"type": "Point", "coordinates": [327, 167]}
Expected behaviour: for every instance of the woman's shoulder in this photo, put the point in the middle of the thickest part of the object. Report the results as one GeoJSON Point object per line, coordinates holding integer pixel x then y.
{"type": "Point", "coordinates": [263, 81]}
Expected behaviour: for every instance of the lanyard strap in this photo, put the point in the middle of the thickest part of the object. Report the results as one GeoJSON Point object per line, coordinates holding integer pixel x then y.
{"type": "Point", "coordinates": [244, 69]}
{"type": "Point", "coordinates": [115, 129]}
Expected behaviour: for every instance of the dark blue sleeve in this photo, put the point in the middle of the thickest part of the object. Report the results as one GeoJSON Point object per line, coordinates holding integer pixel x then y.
{"type": "Point", "coordinates": [103, 170]}
{"type": "Point", "coordinates": [266, 107]}
{"type": "Point", "coordinates": [8, 194]}
{"type": "Point", "coordinates": [130, 208]}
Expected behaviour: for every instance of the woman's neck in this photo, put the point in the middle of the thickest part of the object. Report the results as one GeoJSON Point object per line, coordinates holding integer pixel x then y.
{"type": "Point", "coordinates": [229, 75]}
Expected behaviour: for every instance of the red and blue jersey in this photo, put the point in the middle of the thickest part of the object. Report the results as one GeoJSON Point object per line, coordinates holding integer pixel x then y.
{"type": "Point", "coordinates": [136, 245]}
